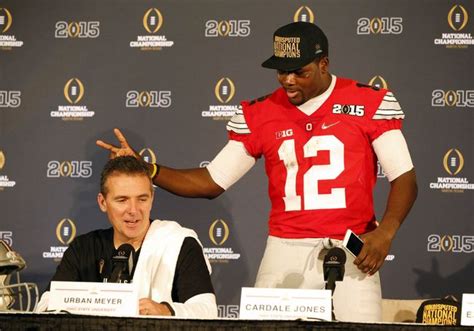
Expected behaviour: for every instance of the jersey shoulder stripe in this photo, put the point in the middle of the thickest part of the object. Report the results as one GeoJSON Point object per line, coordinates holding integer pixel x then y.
{"type": "Point", "coordinates": [389, 108]}
{"type": "Point", "coordinates": [238, 124]}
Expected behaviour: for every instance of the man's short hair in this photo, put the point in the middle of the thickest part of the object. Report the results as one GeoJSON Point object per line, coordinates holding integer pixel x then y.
{"type": "Point", "coordinates": [127, 165]}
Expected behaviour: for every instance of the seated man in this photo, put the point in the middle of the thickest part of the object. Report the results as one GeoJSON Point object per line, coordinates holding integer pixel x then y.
{"type": "Point", "coordinates": [170, 270]}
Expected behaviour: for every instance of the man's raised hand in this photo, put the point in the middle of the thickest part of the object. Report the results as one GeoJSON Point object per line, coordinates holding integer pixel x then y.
{"type": "Point", "coordinates": [123, 150]}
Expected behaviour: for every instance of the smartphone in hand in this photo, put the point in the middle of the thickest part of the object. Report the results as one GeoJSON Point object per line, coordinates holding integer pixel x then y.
{"type": "Point", "coordinates": [352, 243]}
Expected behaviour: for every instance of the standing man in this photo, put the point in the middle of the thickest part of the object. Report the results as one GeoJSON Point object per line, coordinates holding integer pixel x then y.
{"type": "Point", "coordinates": [321, 137]}
{"type": "Point", "coordinates": [170, 270]}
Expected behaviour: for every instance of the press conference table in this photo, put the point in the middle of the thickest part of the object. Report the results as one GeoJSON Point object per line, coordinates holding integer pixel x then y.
{"type": "Point", "coordinates": [48, 321]}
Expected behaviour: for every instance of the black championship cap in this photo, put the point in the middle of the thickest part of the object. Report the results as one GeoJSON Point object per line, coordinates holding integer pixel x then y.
{"type": "Point", "coordinates": [445, 311]}
{"type": "Point", "coordinates": [296, 45]}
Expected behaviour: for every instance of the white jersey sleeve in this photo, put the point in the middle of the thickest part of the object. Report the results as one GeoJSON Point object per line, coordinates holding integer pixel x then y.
{"type": "Point", "coordinates": [392, 151]}
{"type": "Point", "coordinates": [232, 163]}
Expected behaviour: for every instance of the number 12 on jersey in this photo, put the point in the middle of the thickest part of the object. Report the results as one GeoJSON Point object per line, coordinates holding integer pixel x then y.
{"type": "Point", "coordinates": [311, 196]}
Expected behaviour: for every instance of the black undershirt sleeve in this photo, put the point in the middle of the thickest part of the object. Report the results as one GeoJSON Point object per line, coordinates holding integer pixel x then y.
{"type": "Point", "coordinates": [191, 275]}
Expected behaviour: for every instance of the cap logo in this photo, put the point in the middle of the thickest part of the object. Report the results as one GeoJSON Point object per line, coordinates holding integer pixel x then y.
{"type": "Point", "coordinates": [287, 47]}
{"type": "Point", "coordinates": [318, 49]}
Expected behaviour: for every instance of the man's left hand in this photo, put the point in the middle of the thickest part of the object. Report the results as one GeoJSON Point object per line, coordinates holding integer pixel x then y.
{"type": "Point", "coordinates": [149, 307]}
{"type": "Point", "coordinates": [376, 247]}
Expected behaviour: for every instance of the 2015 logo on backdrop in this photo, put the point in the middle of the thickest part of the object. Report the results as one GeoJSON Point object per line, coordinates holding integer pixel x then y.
{"type": "Point", "coordinates": [450, 243]}
{"type": "Point", "coordinates": [148, 99]}
{"type": "Point", "coordinates": [228, 311]}
{"type": "Point", "coordinates": [457, 20]}
{"type": "Point", "coordinates": [73, 93]}
{"type": "Point", "coordinates": [148, 155]}
{"type": "Point", "coordinates": [65, 234]}
{"type": "Point", "coordinates": [72, 169]}
{"type": "Point", "coordinates": [7, 41]}
{"type": "Point", "coordinates": [218, 235]}
{"type": "Point", "coordinates": [452, 98]}
{"type": "Point", "coordinates": [224, 92]}
{"type": "Point", "coordinates": [7, 236]}
{"type": "Point", "coordinates": [380, 172]}
{"type": "Point", "coordinates": [379, 25]}
{"type": "Point", "coordinates": [81, 29]}
{"type": "Point", "coordinates": [227, 28]}
{"type": "Point", "coordinates": [453, 164]}
{"type": "Point", "coordinates": [152, 22]}
{"type": "Point", "coordinates": [5, 182]}
{"type": "Point", "coordinates": [10, 99]}
{"type": "Point", "coordinates": [303, 14]}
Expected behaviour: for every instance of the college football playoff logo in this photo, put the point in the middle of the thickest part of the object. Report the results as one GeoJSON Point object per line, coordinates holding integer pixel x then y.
{"type": "Point", "coordinates": [218, 232]}
{"type": "Point", "coordinates": [378, 81]}
{"type": "Point", "coordinates": [224, 90]}
{"type": "Point", "coordinates": [457, 17]}
{"type": "Point", "coordinates": [73, 90]}
{"type": "Point", "coordinates": [5, 19]}
{"type": "Point", "coordinates": [304, 14]}
{"type": "Point", "coordinates": [152, 20]}
{"type": "Point", "coordinates": [66, 231]}
{"type": "Point", "coordinates": [148, 155]}
{"type": "Point", "coordinates": [453, 162]}
{"type": "Point", "coordinates": [2, 160]}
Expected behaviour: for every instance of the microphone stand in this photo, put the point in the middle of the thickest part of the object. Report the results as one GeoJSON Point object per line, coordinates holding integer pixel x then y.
{"type": "Point", "coordinates": [331, 285]}
{"type": "Point", "coordinates": [333, 267]}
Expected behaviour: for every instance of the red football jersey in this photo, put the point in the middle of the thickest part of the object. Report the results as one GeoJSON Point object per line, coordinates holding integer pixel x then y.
{"type": "Point", "coordinates": [321, 167]}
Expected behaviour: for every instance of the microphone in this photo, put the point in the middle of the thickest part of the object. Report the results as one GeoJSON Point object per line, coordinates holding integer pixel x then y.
{"type": "Point", "coordinates": [122, 264]}
{"type": "Point", "coordinates": [333, 267]}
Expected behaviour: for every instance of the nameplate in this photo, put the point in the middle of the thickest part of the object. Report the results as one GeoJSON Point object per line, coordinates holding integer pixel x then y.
{"type": "Point", "coordinates": [290, 304]}
{"type": "Point", "coordinates": [467, 309]}
{"type": "Point", "coordinates": [88, 298]}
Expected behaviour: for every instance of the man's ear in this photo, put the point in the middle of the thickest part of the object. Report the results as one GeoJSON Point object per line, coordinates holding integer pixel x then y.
{"type": "Point", "coordinates": [101, 202]}
{"type": "Point", "coordinates": [324, 64]}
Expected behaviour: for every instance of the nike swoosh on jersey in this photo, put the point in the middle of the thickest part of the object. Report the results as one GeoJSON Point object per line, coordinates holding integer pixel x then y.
{"type": "Point", "coordinates": [324, 126]}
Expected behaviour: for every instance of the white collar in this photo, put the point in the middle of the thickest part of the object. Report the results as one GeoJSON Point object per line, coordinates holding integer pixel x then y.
{"type": "Point", "coordinates": [310, 106]}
